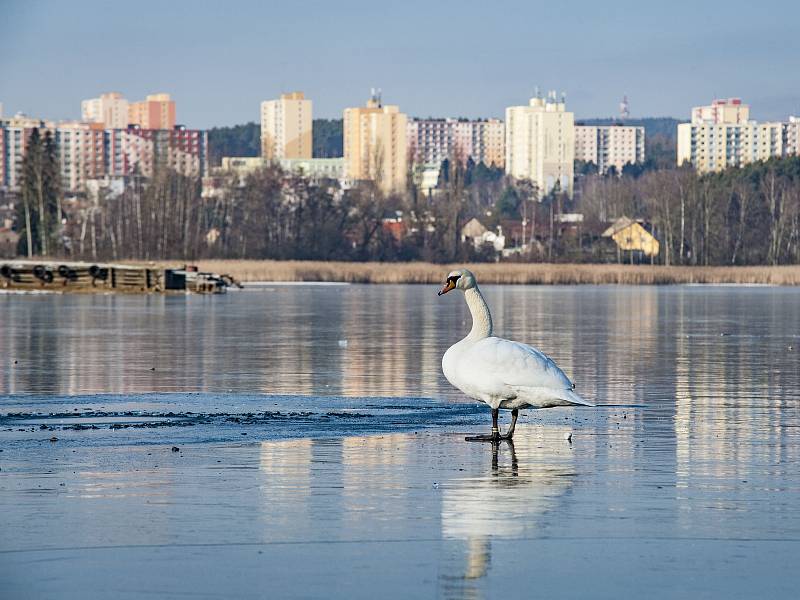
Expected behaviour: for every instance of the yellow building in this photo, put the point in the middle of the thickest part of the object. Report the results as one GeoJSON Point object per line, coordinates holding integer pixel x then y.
{"type": "Point", "coordinates": [631, 236]}
{"type": "Point", "coordinates": [540, 144]}
{"type": "Point", "coordinates": [286, 127]}
{"type": "Point", "coordinates": [375, 144]}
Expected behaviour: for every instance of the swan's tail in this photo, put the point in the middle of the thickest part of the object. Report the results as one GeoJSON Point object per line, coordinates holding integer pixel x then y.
{"type": "Point", "coordinates": [573, 399]}
{"type": "Point", "coordinates": [541, 397]}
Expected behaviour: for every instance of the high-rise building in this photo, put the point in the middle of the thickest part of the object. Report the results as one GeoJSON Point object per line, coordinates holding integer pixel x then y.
{"type": "Point", "coordinates": [493, 137]}
{"type": "Point", "coordinates": [16, 132]}
{"type": "Point", "coordinates": [609, 145]}
{"type": "Point", "coordinates": [430, 141]}
{"type": "Point", "coordinates": [792, 136]}
{"type": "Point", "coordinates": [3, 143]}
{"type": "Point", "coordinates": [540, 144]}
{"type": "Point", "coordinates": [375, 144]}
{"type": "Point", "coordinates": [145, 151]}
{"type": "Point", "coordinates": [88, 151]}
{"type": "Point", "coordinates": [157, 111]}
{"type": "Point", "coordinates": [286, 127]}
{"type": "Point", "coordinates": [111, 110]}
{"type": "Point", "coordinates": [721, 136]}
{"type": "Point", "coordinates": [728, 111]}
{"type": "Point", "coordinates": [81, 153]}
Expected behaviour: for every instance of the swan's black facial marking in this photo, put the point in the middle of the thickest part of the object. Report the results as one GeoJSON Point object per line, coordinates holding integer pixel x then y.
{"type": "Point", "coordinates": [449, 284]}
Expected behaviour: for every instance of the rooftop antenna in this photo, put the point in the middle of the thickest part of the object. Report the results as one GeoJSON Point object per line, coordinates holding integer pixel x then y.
{"type": "Point", "coordinates": [375, 96]}
{"type": "Point", "coordinates": [624, 109]}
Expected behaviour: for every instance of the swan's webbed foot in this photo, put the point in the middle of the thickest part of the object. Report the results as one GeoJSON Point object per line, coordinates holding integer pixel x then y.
{"type": "Point", "coordinates": [495, 436]}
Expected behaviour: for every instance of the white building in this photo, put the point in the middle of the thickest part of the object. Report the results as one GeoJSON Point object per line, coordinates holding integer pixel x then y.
{"type": "Point", "coordinates": [286, 127]}
{"type": "Point", "coordinates": [609, 145]}
{"type": "Point", "coordinates": [110, 109]}
{"type": "Point", "coordinates": [479, 235]}
{"type": "Point", "coordinates": [540, 144]}
{"type": "Point", "coordinates": [312, 168]}
{"type": "Point", "coordinates": [792, 136]}
{"type": "Point", "coordinates": [719, 112]}
{"type": "Point", "coordinates": [431, 141]}
{"type": "Point", "coordinates": [720, 136]}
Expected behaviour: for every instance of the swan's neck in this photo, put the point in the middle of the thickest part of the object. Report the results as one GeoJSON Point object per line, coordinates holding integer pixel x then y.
{"type": "Point", "coordinates": [481, 317]}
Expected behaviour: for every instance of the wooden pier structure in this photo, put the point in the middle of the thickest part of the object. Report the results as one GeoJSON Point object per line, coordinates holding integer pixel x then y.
{"type": "Point", "coordinates": [65, 276]}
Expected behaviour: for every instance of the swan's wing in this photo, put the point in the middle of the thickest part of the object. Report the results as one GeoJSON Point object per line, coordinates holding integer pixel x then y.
{"type": "Point", "coordinates": [511, 369]}
{"type": "Point", "coordinates": [519, 365]}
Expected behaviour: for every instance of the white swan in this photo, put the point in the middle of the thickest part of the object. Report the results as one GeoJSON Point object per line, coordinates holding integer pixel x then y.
{"type": "Point", "coordinates": [501, 373]}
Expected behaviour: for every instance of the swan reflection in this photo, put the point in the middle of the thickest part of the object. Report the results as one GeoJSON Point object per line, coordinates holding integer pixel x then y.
{"type": "Point", "coordinates": [524, 480]}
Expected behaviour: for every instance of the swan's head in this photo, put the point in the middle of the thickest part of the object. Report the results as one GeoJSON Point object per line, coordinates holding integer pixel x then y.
{"type": "Point", "coordinates": [461, 279]}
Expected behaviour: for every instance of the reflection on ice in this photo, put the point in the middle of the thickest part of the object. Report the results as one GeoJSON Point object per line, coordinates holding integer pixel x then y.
{"type": "Point", "coordinates": [522, 482]}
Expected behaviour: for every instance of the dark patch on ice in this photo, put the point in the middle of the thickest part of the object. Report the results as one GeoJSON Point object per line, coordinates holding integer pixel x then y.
{"type": "Point", "coordinates": [97, 419]}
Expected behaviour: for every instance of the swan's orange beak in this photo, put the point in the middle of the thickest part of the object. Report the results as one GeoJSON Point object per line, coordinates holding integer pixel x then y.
{"type": "Point", "coordinates": [449, 285]}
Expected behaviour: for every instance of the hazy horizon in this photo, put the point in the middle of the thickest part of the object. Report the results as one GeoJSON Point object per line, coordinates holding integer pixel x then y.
{"type": "Point", "coordinates": [448, 59]}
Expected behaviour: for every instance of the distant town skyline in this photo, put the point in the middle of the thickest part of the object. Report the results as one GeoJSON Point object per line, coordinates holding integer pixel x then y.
{"type": "Point", "coordinates": [432, 59]}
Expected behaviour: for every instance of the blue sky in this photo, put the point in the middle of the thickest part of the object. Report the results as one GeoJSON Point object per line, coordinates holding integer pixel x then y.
{"type": "Point", "coordinates": [220, 59]}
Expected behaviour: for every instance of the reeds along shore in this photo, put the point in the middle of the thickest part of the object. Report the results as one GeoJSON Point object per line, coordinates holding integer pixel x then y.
{"type": "Point", "coordinates": [507, 273]}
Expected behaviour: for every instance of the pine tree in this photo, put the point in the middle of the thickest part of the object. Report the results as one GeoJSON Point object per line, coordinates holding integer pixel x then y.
{"type": "Point", "coordinates": [41, 195]}
{"type": "Point", "coordinates": [51, 184]}
{"type": "Point", "coordinates": [31, 165]}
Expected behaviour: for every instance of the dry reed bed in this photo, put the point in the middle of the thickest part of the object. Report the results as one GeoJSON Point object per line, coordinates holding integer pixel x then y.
{"type": "Point", "coordinates": [505, 273]}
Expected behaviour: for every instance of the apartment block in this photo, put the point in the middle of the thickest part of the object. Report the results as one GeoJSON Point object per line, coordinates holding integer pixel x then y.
{"type": "Point", "coordinates": [720, 136]}
{"type": "Point", "coordinates": [110, 110]}
{"type": "Point", "coordinates": [609, 146]}
{"type": "Point", "coordinates": [540, 144]}
{"type": "Point", "coordinates": [430, 141]}
{"type": "Point", "coordinates": [156, 111]}
{"type": "Point", "coordinates": [145, 151]}
{"type": "Point", "coordinates": [726, 111]}
{"type": "Point", "coordinates": [375, 144]}
{"type": "Point", "coordinates": [81, 153]}
{"type": "Point", "coordinates": [286, 127]}
{"type": "Point", "coordinates": [87, 151]}
{"type": "Point", "coordinates": [14, 139]}
{"type": "Point", "coordinates": [792, 136]}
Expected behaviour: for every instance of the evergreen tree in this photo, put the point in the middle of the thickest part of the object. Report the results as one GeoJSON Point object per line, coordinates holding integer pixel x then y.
{"type": "Point", "coordinates": [41, 197]}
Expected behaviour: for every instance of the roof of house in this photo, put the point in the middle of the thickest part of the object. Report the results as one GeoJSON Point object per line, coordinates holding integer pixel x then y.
{"type": "Point", "coordinates": [473, 228]}
{"type": "Point", "coordinates": [617, 226]}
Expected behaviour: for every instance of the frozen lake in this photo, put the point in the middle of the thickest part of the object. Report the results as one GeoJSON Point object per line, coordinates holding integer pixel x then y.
{"type": "Point", "coordinates": [320, 452]}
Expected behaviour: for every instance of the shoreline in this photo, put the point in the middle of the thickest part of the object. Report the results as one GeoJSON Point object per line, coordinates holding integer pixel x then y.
{"type": "Point", "coordinates": [269, 271]}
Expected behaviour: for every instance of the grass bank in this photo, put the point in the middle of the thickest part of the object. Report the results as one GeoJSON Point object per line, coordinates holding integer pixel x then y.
{"type": "Point", "coordinates": [506, 273]}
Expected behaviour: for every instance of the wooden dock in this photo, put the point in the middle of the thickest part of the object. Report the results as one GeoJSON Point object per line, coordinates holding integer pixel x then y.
{"type": "Point", "coordinates": [65, 276]}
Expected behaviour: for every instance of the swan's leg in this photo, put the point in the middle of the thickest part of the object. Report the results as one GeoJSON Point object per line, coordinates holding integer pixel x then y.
{"type": "Point", "coordinates": [494, 436]}
{"type": "Point", "coordinates": [510, 433]}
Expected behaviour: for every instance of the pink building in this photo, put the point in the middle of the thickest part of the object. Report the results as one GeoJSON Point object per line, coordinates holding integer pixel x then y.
{"type": "Point", "coordinates": [157, 111]}
{"type": "Point", "coordinates": [86, 151]}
